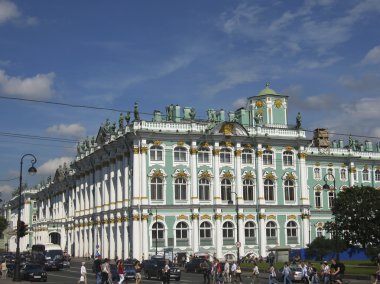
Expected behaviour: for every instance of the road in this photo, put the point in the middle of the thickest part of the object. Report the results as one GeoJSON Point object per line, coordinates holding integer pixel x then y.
{"type": "Point", "coordinates": [71, 275]}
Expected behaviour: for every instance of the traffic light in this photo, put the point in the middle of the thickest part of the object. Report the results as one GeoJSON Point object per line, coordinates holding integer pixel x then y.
{"type": "Point", "coordinates": [22, 229]}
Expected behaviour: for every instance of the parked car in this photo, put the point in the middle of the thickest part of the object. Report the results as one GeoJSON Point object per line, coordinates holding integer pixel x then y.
{"type": "Point", "coordinates": [154, 268]}
{"type": "Point", "coordinates": [194, 265]}
{"type": "Point", "coordinates": [129, 271]}
{"type": "Point", "coordinates": [295, 275]}
{"type": "Point", "coordinates": [66, 263]}
{"type": "Point", "coordinates": [32, 272]}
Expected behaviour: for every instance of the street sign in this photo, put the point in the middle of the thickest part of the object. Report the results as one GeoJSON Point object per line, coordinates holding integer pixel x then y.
{"type": "Point", "coordinates": [238, 244]}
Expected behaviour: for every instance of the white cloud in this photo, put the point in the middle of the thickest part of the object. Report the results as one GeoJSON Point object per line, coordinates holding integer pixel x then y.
{"type": "Point", "coordinates": [368, 82]}
{"type": "Point", "coordinates": [8, 11]}
{"type": "Point", "coordinates": [37, 87]}
{"type": "Point", "coordinates": [73, 130]}
{"type": "Point", "coordinates": [49, 167]}
{"type": "Point", "coordinates": [6, 192]}
{"type": "Point", "coordinates": [314, 64]}
{"type": "Point", "coordinates": [372, 57]}
{"type": "Point", "coordinates": [240, 102]}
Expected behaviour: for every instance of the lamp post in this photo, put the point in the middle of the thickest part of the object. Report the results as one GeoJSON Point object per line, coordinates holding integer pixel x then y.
{"type": "Point", "coordinates": [327, 187]}
{"type": "Point", "coordinates": [32, 170]}
{"type": "Point", "coordinates": [156, 237]}
{"type": "Point", "coordinates": [238, 244]}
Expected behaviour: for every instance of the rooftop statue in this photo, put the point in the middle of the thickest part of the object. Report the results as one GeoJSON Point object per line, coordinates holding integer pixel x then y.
{"type": "Point", "coordinates": [128, 117]}
{"type": "Point", "coordinates": [298, 121]}
{"type": "Point", "coordinates": [192, 113]}
{"type": "Point", "coordinates": [170, 112]}
{"type": "Point", "coordinates": [121, 121]}
{"type": "Point", "coordinates": [136, 112]}
{"type": "Point", "coordinates": [258, 118]}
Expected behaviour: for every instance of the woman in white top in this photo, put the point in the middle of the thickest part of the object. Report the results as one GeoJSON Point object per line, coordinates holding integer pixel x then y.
{"type": "Point", "coordinates": [255, 273]}
{"type": "Point", "coordinates": [4, 270]}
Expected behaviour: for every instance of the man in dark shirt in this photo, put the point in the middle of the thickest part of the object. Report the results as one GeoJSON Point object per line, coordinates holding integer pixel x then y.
{"type": "Point", "coordinates": [205, 267]}
{"type": "Point", "coordinates": [97, 268]}
{"type": "Point", "coordinates": [338, 273]}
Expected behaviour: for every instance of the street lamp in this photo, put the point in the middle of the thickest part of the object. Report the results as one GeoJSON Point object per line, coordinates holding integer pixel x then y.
{"type": "Point", "coordinates": [32, 170]}
{"type": "Point", "coordinates": [230, 202]}
{"type": "Point", "coordinates": [327, 187]}
{"type": "Point", "coordinates": [151, 214]}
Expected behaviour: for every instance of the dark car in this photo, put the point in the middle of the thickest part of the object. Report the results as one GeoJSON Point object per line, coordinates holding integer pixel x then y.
{"type": "Point", "coordinates": [129, 271]}
{"type": "Point", "coordinates": [54, 263]}
{"type": "Point", "coordinates": [194, 265]}
{"type": "Point", "coordinates": [154, 268]}
{"type": "Point", "coordinates": [32, 272]}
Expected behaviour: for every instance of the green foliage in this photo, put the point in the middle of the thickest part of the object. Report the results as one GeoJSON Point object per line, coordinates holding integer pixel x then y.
{"type": "Point", "coordinates": [321, 246]}
{"type": "Point", "coordinates": [372, 252]}
{"type": "Point", "coordinates": [3, 224]}
{"type": "Point", "coordinates": [357, 216]}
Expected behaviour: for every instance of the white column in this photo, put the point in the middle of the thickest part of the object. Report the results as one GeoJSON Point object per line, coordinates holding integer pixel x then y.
{"type": "Point", "coordinates": [303, 178]}
{"type": "Point", "coordinates": [260, 185]}
{"type": "Point", "coordinates": [111, 240]}
{"type": "Point", "coordinates": [305, 231]}
{"type": "Point", "coordinates": [85, 237]}
{"type": "Point", "coordinates": [241, 232]}
{"type": "Point", "coordinates": [125, 236]}
{"type": "Point", "coordinates": [218, 233]}
{"type": "Point", "coordinates": [193, 173]}
{"type": "Point", "coordinates": [145, 239]}
{"type": "Point", "coordinates": [143, 188]}
{"type": "Point", "coordinates": [136, 176]}
{"type": "Point", "coordinates": [105, 188]}
{"type": "Point", "coordinates": [217, 192]}
{"type": "Point", "coordinates": [195, 230]}
{"type": "Point", "coordinates": [263, 238]}
{"type": "Point", "coordinates": [238, 182]}
{"type": "Point", "coordinates": [352, 171]}
{"type": "Point", "coordinates": [118, 237]}
{"type": "Point", "coordinates": [136, 234]}
{"type": "Point", "coordinates": [112, 183]}
{"type": "Point", "coordinates": [119, 186]}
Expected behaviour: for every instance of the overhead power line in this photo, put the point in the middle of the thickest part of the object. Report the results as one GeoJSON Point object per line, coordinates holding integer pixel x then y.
{"type": "Point", "coordinates": [37, 137]}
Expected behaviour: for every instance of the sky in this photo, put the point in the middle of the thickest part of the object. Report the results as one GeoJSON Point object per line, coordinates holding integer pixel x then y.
{"type": "Point", "coordinates": [323, 54]}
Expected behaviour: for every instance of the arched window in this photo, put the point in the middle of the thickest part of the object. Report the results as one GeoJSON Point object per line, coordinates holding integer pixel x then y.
{"type": "Point", "coordinates": [269, 190]}
{"type": "Point", "coordinates": [226, 189]}
{"type": "Point", "coordinates": [268, 157]}
{"type": "Point", "coordinates": [291, 229]}
{"type": "Point", "coordinates": [180, 189]}
{"type": "Point", "coordinates": [377, 175]}
{"type": "Point", "coordinates": [204, 189]}
{"type": "Point", "coordinates": [180, 154]}
{"type": "Point", "coordinates": [249, 229]}
{"type": "Point", "coordinates": [287, 158]}
{"type": "Point", "coordinates": [365, 175]}
{"type": "Point", "coordinates": [330, 174]}
{"type": "Point", "coordinates": [228, 230]}
{"type": "Point", "coordinates": [271, 230]}
{"type": "Point", "coordinates": [289, 190]}
{"type": "Point", "coordinates": [343, 174]}
{"type": "Point", "coordinates": [331, 199]}
{"type": "Point", "coordinates": [182, 230]}
{"type": "Point", "coordinates": [247, 156]}
{"type": "Point", "coordinates": [205, 230]}
{"type": "Point", "coordinates": [158, 231]}
{"type": "Point", "coordinates": [248, 189]}
{"type": "Point", "coordinates": [225, 155]}
{"type": "Point", "coordinates": [203, 155]}
{"type": "Point", "coordinates": [156, 153]}
{"type": "Point", "coordinates": [319, 232]}
{"type": "Point", "coordinates": [317, 173]}
{"type": "Point", "coordinates": [156, 188]}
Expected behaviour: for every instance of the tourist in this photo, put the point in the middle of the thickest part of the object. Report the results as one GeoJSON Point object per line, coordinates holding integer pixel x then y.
{"type": "Point", "coordinates": [255, 273]}
{"type": "Point", "coordinates": [4, 269]}
{"type": "Point", "coordinates": [286, 273]}
{"type": "Point", "coordinates": [97, 268]}
{"type": "Point", "coordinates": [120, 270]}
{"type": "Point", "coordinates": [138, 277]}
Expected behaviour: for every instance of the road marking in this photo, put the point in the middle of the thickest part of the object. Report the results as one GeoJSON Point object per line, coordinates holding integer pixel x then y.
{"type": "Point", "coordinates": [63, 276]}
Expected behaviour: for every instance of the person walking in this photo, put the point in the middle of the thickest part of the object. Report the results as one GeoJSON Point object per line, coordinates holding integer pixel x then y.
{"type": "Point", "coordinates": [120, 270]}
{"type": "Point", "coordinates": [97, 268]}
{"type": "Point", "coordinates": [305, 276]}
{"type": "Point", "coordinates": [83, 274]}
{"type": "Point", "coordinates": [226, 272]}
{"type": "Point", "coordinates": [272, 275]}
{"type": "Point", "coordinates": [106, 272]}
{"type": "Point", "coordinates": [377, 274]}
{"type": "Point", "coordinates": [286, 272]}
{"type": "Point", "coordinates": [205, 267]}
{"type": "Point", "coordinates": [138, 277]}
{"type": "Point", "coordinates": [166, 273]}
{"type": "Point", "coordinates": [4, 269]}
{"type": "Point", "coordinates": [325, 273]}
{"type": "Point", "coordinates": [238, 274]}
{"type": "Point", "coordinates": [255, 274]}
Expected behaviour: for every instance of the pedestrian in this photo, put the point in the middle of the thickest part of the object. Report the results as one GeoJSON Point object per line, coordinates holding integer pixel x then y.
{"type": "Point", "coordinates": [338, 273]}
{"type": "Point", "coordinates": [272, 275]}
{"type": "Point", "coordinates": [286, 273]}
{"type": "Point", "coordinates": [205, 267]}
{"type": "Point", "coordinates": [120, 270]}
{"type": "Point", "coordinates": [83, 274]}
{"type": "Point", "coordinates": [255, 274]}
{"type": "Point", "coordinates": [313, 275]}
{"type": "Point", "coordinates": [233, 272]}
{"type": "Point", "coordinates": [305, 276]}
{"type": "Point", "coordinates": [377, 274]}
{"type": "Point", "coordinates": [4, 269]}
{"type": "Point", "coordinates": [97, 268]}
{"type": "Point", "coordinates": [137, 266]}
{"type": "Point", "coordinates": [226, 272]}
{"type": "Point", "coordinates": [238, 274]}
{"type": "Point", "coordinates": [325, 273]}
{"type": "Point", "coordinates": [106, 271]}
{"type": "Point", "coordinates": [166, 273]}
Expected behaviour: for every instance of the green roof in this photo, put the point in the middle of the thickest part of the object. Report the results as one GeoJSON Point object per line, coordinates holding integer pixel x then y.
{"type": "Point", "coordinates": [267, 91]}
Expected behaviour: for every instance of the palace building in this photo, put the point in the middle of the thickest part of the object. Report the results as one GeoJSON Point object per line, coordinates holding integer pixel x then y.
{"type": "Point", "coordinates": [236, 183]}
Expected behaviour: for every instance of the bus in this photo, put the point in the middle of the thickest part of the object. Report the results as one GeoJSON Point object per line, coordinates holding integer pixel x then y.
{"type": "Point", "coordinates": [50, 254]}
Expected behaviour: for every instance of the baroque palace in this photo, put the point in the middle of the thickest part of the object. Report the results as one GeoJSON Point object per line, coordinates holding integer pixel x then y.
{"type": "Point", "coordinates": [236, 183]}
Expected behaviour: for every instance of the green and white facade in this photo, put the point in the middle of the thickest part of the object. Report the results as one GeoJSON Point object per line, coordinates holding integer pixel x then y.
{"type": "Point", "coordinates": [167, 182]}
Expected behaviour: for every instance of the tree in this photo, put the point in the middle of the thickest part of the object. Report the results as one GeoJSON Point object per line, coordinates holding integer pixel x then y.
{"type": "Point", "coordinates": [321, 247]}
{"type": "Point", "coordinates": [356, 212]}
{"type": "Point", "coordinates": [3, 224]}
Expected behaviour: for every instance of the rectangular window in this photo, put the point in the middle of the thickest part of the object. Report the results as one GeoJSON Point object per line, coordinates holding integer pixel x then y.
{"type": "Point", "coordinates": [331, 199]}
{"type": "Point", "coordinates": [318, 203]}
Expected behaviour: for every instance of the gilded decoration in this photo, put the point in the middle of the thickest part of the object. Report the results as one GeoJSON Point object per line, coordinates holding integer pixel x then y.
{"type": "Point", "coordinates": [205, 174]}
{"type": "Point", "coordinates": [182, 217]}
{"type": "Point", "coordinates": [136, 217]}
{"type": "Point", "coordinates": [194, 216]}
{"type": "Point", "coordinates": [193, 151]}
{"type": "Point", "coordinates": [249, 175]}
{"type": "Point", "coordinates": [269, 147]}
{"type": "Point", "coordinates": [240, 216]}
{"type": "Point", "coordinates": [319, 225]}
{"type": "Point", "coordinates": [366, 167]}
{"type": "Point", "coordinates": [144, 150]}
{"type": "Point", "coordinates": [205, 144]}
{"type": "Point", "coordinates": [159, 217]}
{"type": "Point", "coordinates": [305, 216]}
{"type": "Point", "coordinates": [250, 216]}
{"type": "Point", "coordinates": [228, 217]}
{"type": "Point", "coordinates": [259, 153]}
{"type": "Point", "coordinates": [180, 143]}
{"type": "Point", "coordinates": [136, 150]}
{"type": "Point", "coordinates": [218, 216]}
{"type": "Point", "coordinates": [145, 217]}
{"type": "Point", "coordinates": [317, 164]}
{"type": "Point", "coordinates": [157, 143]}
{"type": "Point", "coordinates": [271, 217]}
{"type": "Point", "coordinates": [227, 175]}
{"type": "Point", "coordinates": [378, 168]}
{"type": "Point", "coordinates": [227, 129]}
{"type": "Point", "coordinates": [181, 174]}
{"type": "Point", "coordinates": [278, 103]}
{"type": "Point", "coordinates": [262, 216]}
{"type": "Point", "coordinates": [330, 164]}
{"type": "Point", "coordinates": [292, 217]}
{"type": "Point", "coordinates": [237, 153]}
{"type": "Point", "coordinates": [205, 217]}
{"type": "Point", "coordinates": [157, 173]}
{"type": "Point", "coordinates": [290, 176]}
{"type": "Point", "coordinates": [259, 104]}
{"type": "Point", "coordinates": [270, 176]}
{"type": "Point", "coordinates": [112, 221]}
{"type": "Point", "coordinates": [352, 170]}
{"type": "Point", "coordinates": [289, 148]}
{"type": "Point", "coordinates": [216, 152]}
{"type": "Point", "coordinates": [247, 146]}
{"type": "Point", "coordinates": [302, 155]}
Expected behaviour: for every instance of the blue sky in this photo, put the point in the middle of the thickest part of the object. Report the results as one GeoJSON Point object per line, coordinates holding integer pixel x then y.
{"type": "Point", "coordinates": [324, 54]}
